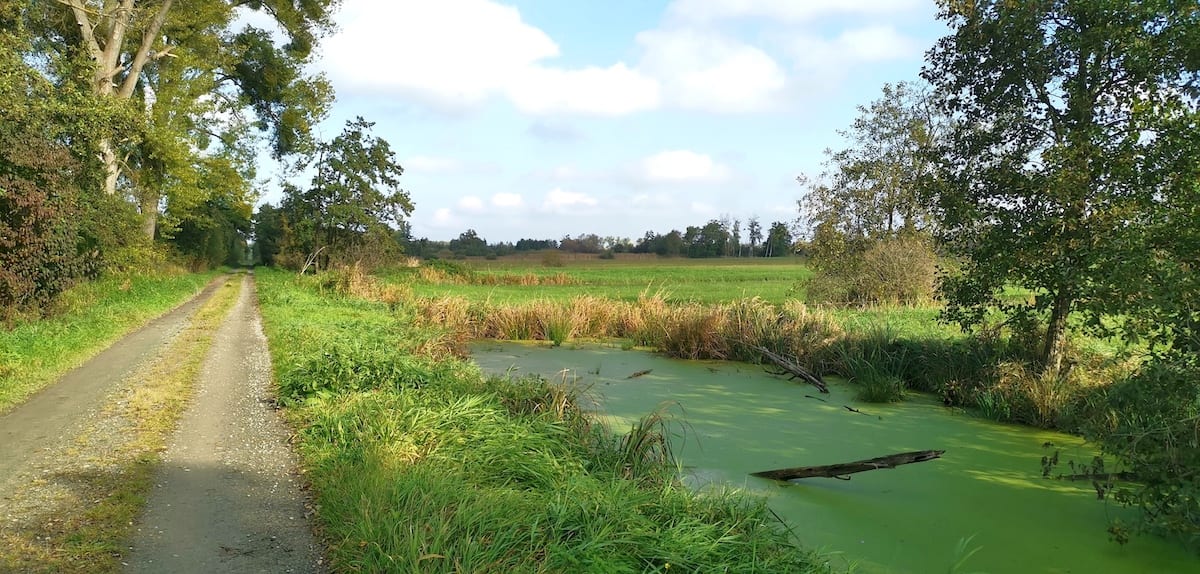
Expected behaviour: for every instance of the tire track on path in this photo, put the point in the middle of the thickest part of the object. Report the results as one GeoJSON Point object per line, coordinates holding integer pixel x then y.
{"type": "Point", "coordinates": [227, 498]}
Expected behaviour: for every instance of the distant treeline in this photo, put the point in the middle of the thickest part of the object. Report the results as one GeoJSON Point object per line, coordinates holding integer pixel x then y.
{"type": "Point", "coordinates": [717, 238]}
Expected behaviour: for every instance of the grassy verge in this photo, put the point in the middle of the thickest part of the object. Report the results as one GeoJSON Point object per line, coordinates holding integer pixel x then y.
{"type": "Point", "coordinates": [88, 318]}
{"type": "Point", "coordinates": [420, 464]}
{"type": "Point", "coordinates": [79, 518]}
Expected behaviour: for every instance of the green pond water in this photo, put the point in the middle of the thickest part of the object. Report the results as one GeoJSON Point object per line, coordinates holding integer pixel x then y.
{"type": "Point", "coordinates": [986, 494]}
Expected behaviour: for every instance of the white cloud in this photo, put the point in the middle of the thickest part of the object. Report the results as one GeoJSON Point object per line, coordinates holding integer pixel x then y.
{"type": "Point", "coordinates": [507, 200]}
{"type": "Point", "coordinates": [706, 71]}
{"type": "Point", "coordinates": [877, 44]}
{"type": "Point", "coordinates": [612, 91]}
{"type": "Point", "coordinates": [559, 200]}
{"type": "Point", "coordinates": [702, 208]}
{"type": "Point", "coordinates": [783, 10]}
{"type": "Point", "coordinates": [430, 164]}
{"type": "Point", "coordinates": [682, 166]}
{"type": "Point", "coordinates": [470, 203]}
{"type": "Point", "coordinates": [653, 200]}
{"type": "Point", "coordinates": [860, 45]}
{"type": "Point", "coordinates": [443, 218]}
{"type": "Point", "coordinates": [455, 54]}
{"type": "Point", "coordinates": [449, 52]}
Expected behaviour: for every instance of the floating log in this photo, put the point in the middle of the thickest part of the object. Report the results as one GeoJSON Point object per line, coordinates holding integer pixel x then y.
{"type": "Point", "coordinates": [793, 370]}
{"type": "Point", "coordinates": [843, 469]}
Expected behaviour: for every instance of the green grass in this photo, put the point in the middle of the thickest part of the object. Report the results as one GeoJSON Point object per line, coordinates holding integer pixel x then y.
{"type": "Point", "coordinates": [86, 320]}
{"type": "Point", "coordinates": [421, 464]}
{"type": "Point", "coordinates": [680, 279]}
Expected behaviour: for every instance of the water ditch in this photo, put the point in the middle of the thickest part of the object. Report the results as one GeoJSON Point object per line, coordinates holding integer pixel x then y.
{"type": "Point", "coordinates": [983, 507]}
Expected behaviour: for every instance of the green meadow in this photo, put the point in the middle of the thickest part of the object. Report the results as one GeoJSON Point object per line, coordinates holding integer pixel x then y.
{"type": "Point", "coordinates": [510, 280]}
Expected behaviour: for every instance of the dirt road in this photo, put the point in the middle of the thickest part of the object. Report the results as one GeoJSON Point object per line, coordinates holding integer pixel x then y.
{"type": "Point", "coordinates": [227, 499]}
{"type": "Point", "coordinates": [34, 431]}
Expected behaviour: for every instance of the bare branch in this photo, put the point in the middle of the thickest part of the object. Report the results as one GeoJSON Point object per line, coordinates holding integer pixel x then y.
{"type": "Point", "coordinates": [112, 46]}
{"type": "Point", "coordinates": [143, 53]}
{"type": "Point", "coordinates": [85, 27]}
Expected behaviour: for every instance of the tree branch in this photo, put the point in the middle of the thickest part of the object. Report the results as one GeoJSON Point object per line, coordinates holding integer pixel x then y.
{"type": "Point", "coordinates": [143, 53]}
{"type": "Point", "coordinates": [112, 46]}
{"type": "Point", "coordinates": [85, 27]}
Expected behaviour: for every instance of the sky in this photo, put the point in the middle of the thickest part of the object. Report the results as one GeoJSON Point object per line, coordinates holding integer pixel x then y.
{"type": "Point", "coordinates": [545, 118]}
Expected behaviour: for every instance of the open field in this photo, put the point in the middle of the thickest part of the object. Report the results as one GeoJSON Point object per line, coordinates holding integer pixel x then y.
{"type": "Point", "coordinates": [624, 279]}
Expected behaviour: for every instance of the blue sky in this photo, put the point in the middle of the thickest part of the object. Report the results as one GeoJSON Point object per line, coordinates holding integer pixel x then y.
{"type": "Point", "coordinates": [542, 118]}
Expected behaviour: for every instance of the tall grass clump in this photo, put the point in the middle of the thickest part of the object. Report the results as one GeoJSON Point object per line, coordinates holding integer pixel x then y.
{"type": "Point", "coordinates": [421, 464]}
{"type": "Point", "coordinates": [875, 362]}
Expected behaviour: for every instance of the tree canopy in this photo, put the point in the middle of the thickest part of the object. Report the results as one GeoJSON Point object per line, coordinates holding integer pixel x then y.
{"type": "Point", "coordinates": [1073, 138]}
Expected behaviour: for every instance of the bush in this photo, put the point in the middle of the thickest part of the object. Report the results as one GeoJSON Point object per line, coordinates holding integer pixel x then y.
{"type": "Point", "coordinates": [891, 271]}
{"type": "Point", "coordinates": [1151, 422]}
{"type": "Point", "coordinates": [552, 259]}
{"type": "Point", "coordinates": [41, 250]}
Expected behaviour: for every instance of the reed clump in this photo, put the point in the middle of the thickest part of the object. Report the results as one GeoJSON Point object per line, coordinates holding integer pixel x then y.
{"type": "Point", "coordinates": [440, 272]}
{"type": "Point", "coordinates": [729, 331]}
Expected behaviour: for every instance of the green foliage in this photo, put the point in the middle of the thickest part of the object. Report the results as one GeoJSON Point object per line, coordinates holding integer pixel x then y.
{"type": "Point", "coordinates": [1075, 135]}
{"type": "Point", "coordinates": [1150, 422]}
{"type": "Point", "coordinates": [876, 361]}
{"type": "Point", "coordinates": [353, 198]}
{"type": "Point", "coordinates": [41, 248]}
{"type": "Point", "coordinates": [85, 319]}
{"type": "Point", "coordinates": [779, 241]}
{"type": "Point", "coordinates": [870, 190]}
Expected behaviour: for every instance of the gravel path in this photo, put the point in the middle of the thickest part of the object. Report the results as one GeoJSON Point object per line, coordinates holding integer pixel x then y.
{"type": "Point", "coordinates": [227, 498]}
{"type": "Point", "coordinates": [32, 434]}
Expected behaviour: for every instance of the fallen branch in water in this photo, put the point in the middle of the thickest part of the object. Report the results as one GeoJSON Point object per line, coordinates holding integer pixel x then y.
{"type": "Point", "coordinates": [793, 369]}
{"type": "Point", "coordinates": [841, 470]}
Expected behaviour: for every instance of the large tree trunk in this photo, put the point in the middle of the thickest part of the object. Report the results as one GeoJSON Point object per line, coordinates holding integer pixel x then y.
{"type": "Point", "coordinates": [149, 209]}
{"type": "Point", "coordinates": [1056, 334]}
{"type": "Point", "coordinates": [111, 168]}
{"type": "Point", "coordinates": [113, 21]}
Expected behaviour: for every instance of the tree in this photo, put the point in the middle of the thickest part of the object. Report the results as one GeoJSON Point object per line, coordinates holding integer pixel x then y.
{"type": "Point", "coordinates": [354, 196]}
{"type": "Point", "coordinates": [470, 244]}
{"type": "Point", "coordinates": [869, 189]}
{"type": "Point", "coordinates": [183, 65]}
{"type": "Point", "coordinates": [268, 232]}
{"type": "Point", "coordinates": [735, 235]}
{"type": "Point", "coordinates": [755, 231]}
{"type": "Point", "coordinates": [868, 220]}
{"type": "Point", "coordinates": [779, 240]}
{"type": "Point", "coordinates": [1071, 118]}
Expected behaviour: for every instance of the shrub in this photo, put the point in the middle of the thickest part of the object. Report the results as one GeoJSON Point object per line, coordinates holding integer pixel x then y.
{"type": "Point", "coordinates": [41, 245]}
{"type": "Point", "coordinates": [890, 271]}
{"type": "Point", "coordinates": [1151, 422]}
{"type": "Point", "coordinates": [552, 259]}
